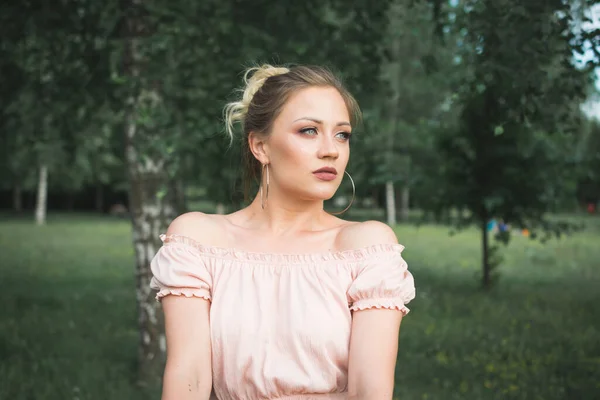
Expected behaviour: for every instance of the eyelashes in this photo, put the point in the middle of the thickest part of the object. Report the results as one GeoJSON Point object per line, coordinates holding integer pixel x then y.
{"type": "Point", "coordinates": [311, 131]}
{"type": "Point", "coordinates": [345, 135]}
{"type": "Point", "coordinates": [307, 130]}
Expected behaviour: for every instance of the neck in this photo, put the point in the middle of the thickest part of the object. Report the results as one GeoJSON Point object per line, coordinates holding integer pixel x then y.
{"type": "Point", "coordinates": [284, 215]}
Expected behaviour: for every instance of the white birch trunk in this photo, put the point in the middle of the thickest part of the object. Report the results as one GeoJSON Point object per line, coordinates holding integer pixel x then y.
{"type": "Point", "coordinates": [397, 161]}
{"type": "Point", "coordinates": [393, 110]}
{"type": "Point", "coordinates": [390, 203]}
{"type": "Point", "coordinates": [150, 213]}
{"type": "Point", "coordinates": [42, 196]}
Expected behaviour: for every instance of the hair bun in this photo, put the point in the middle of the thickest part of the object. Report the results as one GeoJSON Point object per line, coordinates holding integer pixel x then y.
{"type": "Point", "coordinates": [258, 78]}
{"type": "Point", "coordinates": [254, 78]}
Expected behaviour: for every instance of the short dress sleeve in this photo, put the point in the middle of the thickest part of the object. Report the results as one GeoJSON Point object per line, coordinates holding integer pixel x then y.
{"type": "Point", "coordinates": [382, 280]}
{"type": "Point", "coordinates": [178, 269]}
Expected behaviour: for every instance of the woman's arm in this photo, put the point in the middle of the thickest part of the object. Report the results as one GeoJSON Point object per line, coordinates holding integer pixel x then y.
{"type": "Point", "coordinates": [374, 337]}
{"type": "Point", "coordinates": [373, 352]}
{"type": "Point", "coordinates": [188, 372]}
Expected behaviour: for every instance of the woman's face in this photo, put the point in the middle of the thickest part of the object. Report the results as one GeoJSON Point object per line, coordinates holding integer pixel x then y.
{"type": "Point", "coordinates": [308, 148]}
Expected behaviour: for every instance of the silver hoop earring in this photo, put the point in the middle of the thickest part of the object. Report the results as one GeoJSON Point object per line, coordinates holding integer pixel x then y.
{"type": "Point", "coordinates": [353, 196]}
{"type": "Point", "coordinates": [263, 200]}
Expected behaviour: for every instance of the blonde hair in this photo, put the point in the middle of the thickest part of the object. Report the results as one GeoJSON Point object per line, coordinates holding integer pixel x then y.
{"type": "Point", "coordinates": [237, 110]}
{"type": "Point", "coordinates": [267, 90]}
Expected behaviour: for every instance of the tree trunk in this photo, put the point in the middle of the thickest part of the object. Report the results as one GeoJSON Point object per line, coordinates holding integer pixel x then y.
{"type": "Point", "coordinates": [405, 203]}
{"type": "Point", "coordinates": [150, 212]}
{"type": "Point", "coordinates": [42, 196]}
{"type": "Point", "coordinates": [17, 198]}
{"type": "Point", "coordinates": [70, 201]}
{"type": "Point", "coordinates": [375, 194]}
{"type": "Point", "coordinates": [220, 209]}
{"type": "Point", "coordinates": [150, 215]}
{"type": "Point", "coordinates": [99, 198]}
{"type": "Point", "coordinates": [179, 194]}
{"type": "Point", "coordinates": [390, 203]}
{"type": "Point", "coordinates": [393, 110]}
{"type": "Point", "coordinates": [485, 254]}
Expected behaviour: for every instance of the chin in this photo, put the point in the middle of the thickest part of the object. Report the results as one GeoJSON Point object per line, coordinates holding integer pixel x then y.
{"type": "Point", "coordinates": [313, 195]}
{"type": "Point", "coordinates": [311, 192]}
{"type": "Point", "coordinates": [323, 195]}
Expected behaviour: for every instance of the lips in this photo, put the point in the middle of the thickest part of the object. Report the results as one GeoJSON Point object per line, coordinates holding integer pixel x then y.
{"type": "Point", "coordinates": [326, 173]}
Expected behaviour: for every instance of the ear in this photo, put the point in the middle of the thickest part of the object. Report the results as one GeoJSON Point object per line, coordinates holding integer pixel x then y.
{"type": "Point", "coordinates": [259, 147]}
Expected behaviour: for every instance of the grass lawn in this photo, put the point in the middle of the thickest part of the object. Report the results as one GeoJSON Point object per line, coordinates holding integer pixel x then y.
{"type": "Point", "coordinates": [68, 331]}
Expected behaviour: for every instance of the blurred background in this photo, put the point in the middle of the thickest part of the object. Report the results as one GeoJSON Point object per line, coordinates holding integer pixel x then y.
{"type": "Point", "coordinates": [480, 146]}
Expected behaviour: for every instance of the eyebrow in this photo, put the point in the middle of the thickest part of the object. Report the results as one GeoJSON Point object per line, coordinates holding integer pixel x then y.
{"type": "Point", "coordinates": [317, 121]}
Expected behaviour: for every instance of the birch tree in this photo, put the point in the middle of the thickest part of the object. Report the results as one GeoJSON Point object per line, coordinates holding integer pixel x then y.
{"type": "Point", "coordinates": [415, 76]}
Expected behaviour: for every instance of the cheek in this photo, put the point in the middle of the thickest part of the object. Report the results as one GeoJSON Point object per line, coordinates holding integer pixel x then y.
{"type": "Point", "coordinates": [292, 151]}
{"type": "Point", "coordinates": [304, 152]}
{"type": "Point", "coordinates": [344, 154]}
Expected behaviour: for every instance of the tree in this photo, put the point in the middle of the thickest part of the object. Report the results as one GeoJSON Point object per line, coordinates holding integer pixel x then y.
{"type": "Point", "coordinates": [505, 157]}
{"type": "Point", "coordinates": [56, 59]}
{"type": "Point", "coordinates": [414, 81]}
{"type": "Point", "coordinates": [588, 155]}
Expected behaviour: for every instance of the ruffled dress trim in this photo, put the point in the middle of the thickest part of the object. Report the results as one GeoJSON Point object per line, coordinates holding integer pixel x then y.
{"type": "Point", "coordinates": [369, 252]}
{"type": "Point", "coordinates": [385, 303]}
{"type": "Point", "coordinates": [319, 396]}
{"type": "Point", "coordinates": [187, 292]}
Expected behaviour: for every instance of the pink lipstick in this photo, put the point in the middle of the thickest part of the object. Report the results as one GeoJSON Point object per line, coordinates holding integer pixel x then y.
{"type": "Point", "coordinates": [326, 173]}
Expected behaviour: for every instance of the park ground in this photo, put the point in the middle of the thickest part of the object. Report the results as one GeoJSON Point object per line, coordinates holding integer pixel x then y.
{"type": "Point", "coordinates": [68, 318]}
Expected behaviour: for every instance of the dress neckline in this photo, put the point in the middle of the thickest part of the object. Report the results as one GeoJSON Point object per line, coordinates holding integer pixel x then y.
{"type": "Point", "coordinates": [375, 250]}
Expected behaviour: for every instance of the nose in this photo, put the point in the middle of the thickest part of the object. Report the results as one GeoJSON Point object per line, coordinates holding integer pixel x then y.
{"type": "Point", "coordinates": [328, 148]}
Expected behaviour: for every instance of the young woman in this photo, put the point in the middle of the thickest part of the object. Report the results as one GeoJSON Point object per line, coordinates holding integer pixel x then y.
{"type": "Point", "coordinates": [282, 300]}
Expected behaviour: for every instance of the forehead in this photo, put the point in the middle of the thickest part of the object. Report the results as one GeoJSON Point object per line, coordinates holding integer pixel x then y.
{"type": "Point", "coordinates": [322, 103]}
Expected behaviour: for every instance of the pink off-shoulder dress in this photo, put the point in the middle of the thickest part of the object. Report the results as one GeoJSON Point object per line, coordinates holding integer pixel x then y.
{"type": "Point", "coordinates": [280, 323]}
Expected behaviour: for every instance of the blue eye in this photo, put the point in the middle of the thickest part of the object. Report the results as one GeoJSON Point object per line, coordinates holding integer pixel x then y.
{"type": "Point", "coordinates": [344, 135]}
{"type": "Point", "coordinates": [309, 131]}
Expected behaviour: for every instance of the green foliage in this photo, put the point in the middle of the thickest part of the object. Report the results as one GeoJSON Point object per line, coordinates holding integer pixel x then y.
{"type": "Point", "coordinates": [58, 93]}
{"type": "Point", "coordinates": [588, 157]}
{"type": "Point", "coordinates": [510, 152]}
{"type": "Point", "coordinates": [412, 87]}
{"type": "Point", "coordinates": [194, 68]}
{"type": "Point", "coordinates": [472, 104]}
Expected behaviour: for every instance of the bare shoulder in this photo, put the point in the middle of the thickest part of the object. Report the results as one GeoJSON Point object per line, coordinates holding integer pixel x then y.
{"type": "Point", "coordinates": [363, 234]}
{"type": "Point", "coordinates": [207, 229]}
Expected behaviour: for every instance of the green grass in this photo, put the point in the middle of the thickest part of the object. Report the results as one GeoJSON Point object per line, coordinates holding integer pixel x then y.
{"type": "Point", "coordinates": [67, 326]}
{"type": "Point", "coordinates": [68, 330]}
{"type": "Point", "coordinates": [536, 335]}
